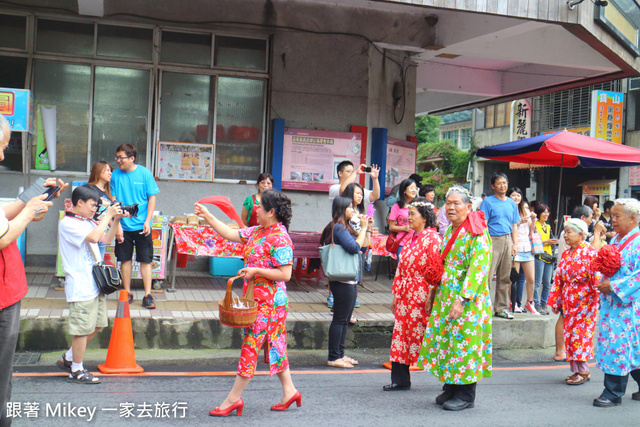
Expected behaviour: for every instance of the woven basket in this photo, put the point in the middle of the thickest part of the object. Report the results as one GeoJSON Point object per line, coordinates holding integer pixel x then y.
{"type": "Point", "coordinates": [238, 317]}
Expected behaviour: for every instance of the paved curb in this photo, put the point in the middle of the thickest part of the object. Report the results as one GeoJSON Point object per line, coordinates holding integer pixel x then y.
{"type": "Point", "coordinates": [49, 334]}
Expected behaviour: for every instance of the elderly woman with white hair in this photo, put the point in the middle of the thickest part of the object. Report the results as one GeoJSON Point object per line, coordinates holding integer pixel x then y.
{"type": "Point", "coordinates": [457, 341]}
{"type": "Point", "coordinates": [575, 293]}
{"type": "Point", "coordinates": [618, 353]}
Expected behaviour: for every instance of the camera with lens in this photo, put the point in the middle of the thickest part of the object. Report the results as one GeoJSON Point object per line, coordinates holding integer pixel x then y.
{"type": "Point", "coordinates": [132, 210]}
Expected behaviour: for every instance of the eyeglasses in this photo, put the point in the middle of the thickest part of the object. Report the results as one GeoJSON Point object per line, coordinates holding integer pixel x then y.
{"type": "Point", "coordinates": [120, 158]}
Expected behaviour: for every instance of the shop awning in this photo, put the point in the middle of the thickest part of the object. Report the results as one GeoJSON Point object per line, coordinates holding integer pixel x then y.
{"type": "Point", "coordinates": [564, 149]}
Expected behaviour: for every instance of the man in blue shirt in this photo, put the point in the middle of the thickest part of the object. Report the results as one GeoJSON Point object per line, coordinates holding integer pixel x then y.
{"type": "Point", "coordinates": [501, 215]}
{"type": "Point", "coordinates": [134, 184]}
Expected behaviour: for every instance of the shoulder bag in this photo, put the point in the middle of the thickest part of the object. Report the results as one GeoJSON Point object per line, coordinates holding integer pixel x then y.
{"type": "Point", "coordinates": [393, 243]}
{"type": "Point", "coordinates": [338, 264]}
{"type": "Point", "coordinates": [107, 277]}
{"type": "Point", "coordinates": [536, 243]}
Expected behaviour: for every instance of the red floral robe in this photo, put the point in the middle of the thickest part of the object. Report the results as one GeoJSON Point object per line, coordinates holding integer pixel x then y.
{"type": "Point", "coordinates": [269, 247]}
{"type": "Point", "coordinates": [574, 291]}
{"type": "Point", "coordinates": [411, 290]}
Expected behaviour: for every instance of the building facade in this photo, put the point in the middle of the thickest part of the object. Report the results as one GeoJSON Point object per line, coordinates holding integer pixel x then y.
{"type": "Point", "coordinates": [219, 73]}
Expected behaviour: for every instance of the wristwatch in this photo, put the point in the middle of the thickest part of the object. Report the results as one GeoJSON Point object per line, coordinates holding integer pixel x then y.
{"type": "Point", "coordinates": [461, 299]}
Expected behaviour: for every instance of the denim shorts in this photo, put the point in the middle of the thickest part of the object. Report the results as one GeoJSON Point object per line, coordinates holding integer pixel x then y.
{"type": "Point", "coordinates": [524, 257]}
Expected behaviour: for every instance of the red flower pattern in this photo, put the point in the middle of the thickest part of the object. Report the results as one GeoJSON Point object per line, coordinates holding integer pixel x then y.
{"type": "Point", "coordinates": [411, 285]}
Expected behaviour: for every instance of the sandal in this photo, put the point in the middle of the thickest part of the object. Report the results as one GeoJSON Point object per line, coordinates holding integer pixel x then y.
{"type": "Point", "coordinates": [350, 360]}
{"type": "Point", "coordinates": [83, 377]}
{"type": "Point", "coordinates": [579, 378]}
{"type": "Point", "coordinates": [64, 364]}
{"type": "Point", "coordinates": [339, 363]}
{"type": "Point", "coordinates": [353, 320]}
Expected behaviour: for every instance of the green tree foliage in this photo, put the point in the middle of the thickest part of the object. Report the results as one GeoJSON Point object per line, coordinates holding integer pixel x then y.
{"type": "Point", "coordinates": [427, 129]}
{"type": "Point", "coordinates": [454, 161]}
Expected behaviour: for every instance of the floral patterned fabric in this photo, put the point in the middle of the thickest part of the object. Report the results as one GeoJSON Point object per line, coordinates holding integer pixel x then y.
{"type": "Point", "coordinates": [266, 248]}
{"type": "Point", "coordinates": [378, 243]}
{"type": "Point", "coordinates": [618, 350]}
{"type": "Point", "coordinates": [574, 291]}
{"type": "Point", "coordinates": [411, 291]}
{"type": "Point", "coordinates": [204, 241]}
{"type": "Point", "coordinates": [460, 351]}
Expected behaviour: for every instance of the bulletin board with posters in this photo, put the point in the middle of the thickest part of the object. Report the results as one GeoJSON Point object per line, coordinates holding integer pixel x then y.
{"type": "Point", "coordinates": [310, 157]}
{"type": "Point", "coordinates": [401, 162]}
{"type": "Point", "coordinates": [183, 161]}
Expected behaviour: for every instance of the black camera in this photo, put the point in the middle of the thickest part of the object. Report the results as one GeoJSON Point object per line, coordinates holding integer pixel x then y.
{"type": "Point", "coordinates": [132, 210]}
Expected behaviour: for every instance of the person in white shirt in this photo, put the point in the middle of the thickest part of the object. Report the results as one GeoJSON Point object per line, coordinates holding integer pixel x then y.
{"type": "Point", "coordinates": [78, 237]}
{"type": "Point", "coordinates": [346, 176]}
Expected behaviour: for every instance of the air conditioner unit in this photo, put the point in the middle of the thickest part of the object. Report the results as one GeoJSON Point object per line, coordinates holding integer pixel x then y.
{"type": "Point", "coordinates": [634, 84]}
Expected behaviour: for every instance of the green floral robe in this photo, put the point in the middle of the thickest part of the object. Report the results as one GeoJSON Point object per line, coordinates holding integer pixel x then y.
{"type": "Point", "coordinates": [459, 351]}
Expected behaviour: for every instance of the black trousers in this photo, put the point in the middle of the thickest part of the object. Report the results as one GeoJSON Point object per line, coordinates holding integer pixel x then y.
{"type": "Point", "coordinates": [465, 392]}
{"type": "Point", "coordinates": [344, 301]}
{"type": "Point", "coordinates": [400, 374]}
{"type": "Point", "coordinates": [615, 385]}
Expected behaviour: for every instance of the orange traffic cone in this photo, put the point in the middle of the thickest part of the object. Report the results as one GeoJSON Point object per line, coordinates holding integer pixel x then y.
{"type": "Point", "coordinates": [121, 357]}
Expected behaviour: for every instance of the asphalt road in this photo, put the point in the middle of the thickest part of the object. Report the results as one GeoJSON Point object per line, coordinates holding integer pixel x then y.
{"type": "Point", "coordinates": [524, 391]}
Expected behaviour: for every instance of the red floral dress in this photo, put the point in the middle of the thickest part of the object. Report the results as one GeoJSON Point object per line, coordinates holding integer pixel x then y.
{"type": "Point", "coordinates": [411, 290]}
{"type": "Point", "coordinates": [574, 291]}
{"type": "Point", "coordinates": [266, 248]}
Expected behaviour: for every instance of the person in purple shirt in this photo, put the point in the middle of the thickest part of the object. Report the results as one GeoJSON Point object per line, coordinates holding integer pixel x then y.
{"type": "Point", "coordinates": [501, 215]}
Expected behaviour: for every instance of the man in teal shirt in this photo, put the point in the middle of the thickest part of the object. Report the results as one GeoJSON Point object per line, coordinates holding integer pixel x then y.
{"type": "Point", "coordinates": [134, 184]}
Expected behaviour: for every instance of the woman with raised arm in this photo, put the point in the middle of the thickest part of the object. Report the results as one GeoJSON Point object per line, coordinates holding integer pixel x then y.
{"type": "Point", "coordinates": [268, 258]}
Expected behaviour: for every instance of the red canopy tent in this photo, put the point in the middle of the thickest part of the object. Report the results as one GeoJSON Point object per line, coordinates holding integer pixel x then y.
{"type": "Point", "coordinates": [564, 149]}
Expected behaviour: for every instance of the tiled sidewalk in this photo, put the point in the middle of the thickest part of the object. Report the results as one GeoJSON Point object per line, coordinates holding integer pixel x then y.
{"type": "Point", "coordinates": [197, 295]}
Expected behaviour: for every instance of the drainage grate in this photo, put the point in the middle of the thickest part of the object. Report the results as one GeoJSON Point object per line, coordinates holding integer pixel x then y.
{"type": "Point", "coordinates": [26, 359]}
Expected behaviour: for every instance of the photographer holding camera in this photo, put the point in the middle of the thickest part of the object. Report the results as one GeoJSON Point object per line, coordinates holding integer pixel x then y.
{"type": "Point", "coordinates": [133, 184]}
{"type": "Point", "coordinates": [14, 218]}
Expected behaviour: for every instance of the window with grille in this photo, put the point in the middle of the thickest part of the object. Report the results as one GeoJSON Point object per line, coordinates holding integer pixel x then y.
{"type": "Point", "coordinates": [568, 108]}
{"type": "Point", "coordinates": [465, 139]}
{"type": "Point", "coordinates": [451, 135]}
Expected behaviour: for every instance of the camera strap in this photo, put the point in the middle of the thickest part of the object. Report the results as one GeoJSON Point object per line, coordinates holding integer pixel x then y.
{"type": "Point", "coordinates": [78, 216]}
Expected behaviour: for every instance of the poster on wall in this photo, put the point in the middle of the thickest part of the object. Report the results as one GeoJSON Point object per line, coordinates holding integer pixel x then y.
{"type": "Point", "coordinates": [606, 115]}
{"type": "Point", "coordinates": [310, 157]}
{"type": "Point", "coordinates": [401, 162]}
{"type": "Point", "coordinates": [634, 175]}
{"type": "Point", "coordinates": [16, 105]}
{"type": "Point", "coordinates": [182, 161]}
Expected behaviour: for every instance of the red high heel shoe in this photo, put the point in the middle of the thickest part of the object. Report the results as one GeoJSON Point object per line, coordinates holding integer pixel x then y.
{"type": "Point", "coordinates": [224, 412]}
{"type": "Point", "coordinates": [297, 397]}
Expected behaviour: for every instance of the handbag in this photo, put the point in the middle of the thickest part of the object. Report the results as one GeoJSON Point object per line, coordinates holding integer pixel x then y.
{"type": "Point", "coordinates": [546, 257]}
{"type": "Point", "coordinates": [536, 243]}
{"type": "Point", "coordinates": [107, 277]}
{"type": "Point", "coordinates": [338, 264]}
{"type": "Point", "coordinates": [393, 243]}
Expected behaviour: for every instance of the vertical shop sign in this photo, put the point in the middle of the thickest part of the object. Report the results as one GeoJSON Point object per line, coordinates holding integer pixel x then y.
{"type": "Point", "coordinates": [520, 119]}
{"type": "Point", "coordinates": [606, 115]}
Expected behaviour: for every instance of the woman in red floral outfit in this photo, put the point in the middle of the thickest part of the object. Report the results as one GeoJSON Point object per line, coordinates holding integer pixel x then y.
{"type": "Point", "coordinates": [268, 260]}
{"type": "Point", "coordinates": [418, 274]}
{"type": "Point", "coordinates": [575, 292]}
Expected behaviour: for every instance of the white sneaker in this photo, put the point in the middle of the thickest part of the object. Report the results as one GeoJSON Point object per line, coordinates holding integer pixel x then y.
{"type": "Point", "coordinates": [518, 309]}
